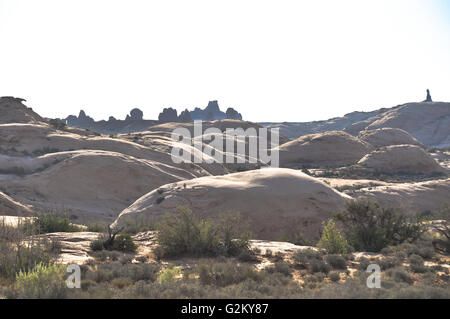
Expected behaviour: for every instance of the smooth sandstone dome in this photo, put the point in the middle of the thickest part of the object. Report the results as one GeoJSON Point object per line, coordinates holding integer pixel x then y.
{"type": "Point", "coordinates": [388, 136]}
{"type": "Point", "coordinates": [422, 197]}
{"type": "Point", "coordinates": [409, 159]}
{"type": "Point", "coordinates": [92, 184]}
{"type": "Point", "coordinates": [276, 201]}
{"type": "Point", "coordinates": [427, 122]}
{"type": "Point", "coordinates": [335, 148]}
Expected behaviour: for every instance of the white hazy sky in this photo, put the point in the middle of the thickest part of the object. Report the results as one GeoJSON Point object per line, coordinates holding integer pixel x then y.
{"type": "Point", "coordinates": [271, 60]}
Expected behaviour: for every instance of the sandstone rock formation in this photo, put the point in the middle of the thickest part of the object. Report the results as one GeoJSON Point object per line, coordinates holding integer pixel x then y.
{"type": "Point", "coordinates": [95, 185]}
{"type": "Point", "coordinates": [335, 148]}
{"type": "Point", "coordinates": [11, 207]}
{"type": "Point", "coordinates": [133, 122]}
{"type": "Point", "coordinates": [388, 136]}
{"type": "Point", "coordinates": [276, 201]}
{"type": "Point", "coordinates": [12, 110]}
{"type": "Point", "coordinates": [168, 115]}
{"type": "Point", "coordinates": [232, 114]}
{"type": "Point", "coordinates": [428, 122]}
{"type": "Point", "coordinates": [401, 159]}
{"type": "Point", "coordinates": [421, 197]}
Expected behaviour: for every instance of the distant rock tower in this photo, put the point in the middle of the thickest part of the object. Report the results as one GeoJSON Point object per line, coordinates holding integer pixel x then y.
{"type": "Point", "coordinates": [428, 96]}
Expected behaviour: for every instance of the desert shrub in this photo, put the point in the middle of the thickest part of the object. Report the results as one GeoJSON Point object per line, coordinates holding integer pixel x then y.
{"type": "Point", "coordinates": [371, 227]}
{"type": "Point", "coordinates": [297, 239]}
{"type": "Point", "coordinates": [332, 240]}
{"type": "Point", "coordinates": [52, 223]}
{"type": "Point", "coordinates": [334, 276]}
{"type": "Point", "coordinates": [124, 242]}
{"type": "Point", "coordinates": [247, 255]}
{"type": "Point", "coordinates": [120, 282]}
{"type": "Point", "coordinates": [169, 274]}
{"type": "Point", "coordinates": [387, 262]}
{"type": "Point", "coordinates": [184, 234]}
{"type": "Point", "coordinates": [43, 282]}
{"type": "Point", "coordinates": [400, 275]}
{"type": "Point", "coordinates": [318, 265]}
{"type": "Point", "coordinates": [121, 242]}
{"type": "Point", "coordinates": [417, 264]}
{"type": "Point", "coordinates": [312, 260]}
{"type": "Point", "coordinates": [97, 244]}
{"type": "Point", "coordinates": [442, 244]}
{"type": "Point", "coordinates": [363, 263]}
{"type": "Point", "coordinates": [303, 257]}
{"type": "Point", "coordinates": [57, 124]}
{"type": "Point", "coordinates": [16, 257]}
{"type": "Point", "coordinates": [337, 261]}
{"type": "Point", "coordinates": [225, 274]}
{"type": "Point", "coordinates": [280, 267]}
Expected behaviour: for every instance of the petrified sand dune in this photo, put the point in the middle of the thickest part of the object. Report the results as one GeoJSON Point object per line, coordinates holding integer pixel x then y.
{"type": "Point", "coordinates": [335, 148]}
{"type": "Point", "coordinates": [35, 139]}
{"type": "Point", "coordinates": [396, 159]}
{"type": "Point", "coordinates": [10, 207]}
{"type": "Point", "coordinates": [387, 137]}
{"type": "Point", "coordinates": [13, 110]}
{"type": "Point", "coordinates": [276, 201]}
{"type": "Point", "coordinates": [427, 122]}
{"type": "Point", "coordinates": [167, 128]}
{"type": "Point", "coordinates": [413, 197]}
{"type": "Point", "coordinates": [91, 184]}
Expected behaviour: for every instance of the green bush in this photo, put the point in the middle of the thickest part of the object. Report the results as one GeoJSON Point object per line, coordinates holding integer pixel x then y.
{"type": "Point", "coordinates": [42, 282]}
{"type": "Point", "coordinates": [442, 244]}
{"type": "Point", "coordinates": [16, 257]}
{"type": "Point", "coordinates": [337, 261]}
{"type": "Point", "coordinates": [124, 242]}
{"type": "Point", "coordinates": [303, 257]}
{"type": "Point", "coordinates": [169, 274]}
{"type": "Point", "coordinates": [371, 227]}
{"type": "Point", "coordinates": [52, 223]}
{"type": "Point", "coordinates": [417, 264]}
{"type": "Point", "coordinates": [332, 240]}
{"type": "Point", "coordinates": [334, 276]}
{"type": "Point", "coordinates": [184, 234]}
{"type": "Point", "coordinates": [280, 267]}
{"type": "Point", "coordinates": [121, 242]}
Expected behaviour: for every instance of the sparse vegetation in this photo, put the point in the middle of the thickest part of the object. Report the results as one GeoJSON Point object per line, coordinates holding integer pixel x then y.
{"type": "Point", "coordinates": [442, 227]}
{"type": "Point", "coordinates": [370, 227]}
{"type": "Point", "coordinates": [52, 223]}
{"type": "Point", "coordinates": [44, 281]}
{"type": "Point", "coordinates": [114, 242]}
{"type": "Point", "coordinates": [183, 234]}
{"type": "Point", "coordinates": [332, 240]}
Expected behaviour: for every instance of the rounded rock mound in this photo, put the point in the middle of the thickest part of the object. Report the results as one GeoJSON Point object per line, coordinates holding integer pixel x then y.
{"type": "Point", "coordinates": [275, 201]}
{"type": "Point", "coordinates": [387, 137]}
{"type": "Point", "coordinates": [334, 148]}
{"type": "Point", "coordinates": [13, 110]}
{"type": "Point", "coordinates": [401, 159]}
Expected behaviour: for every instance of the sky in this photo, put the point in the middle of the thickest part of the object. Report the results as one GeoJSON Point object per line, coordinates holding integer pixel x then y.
{"type": "Point", "coordinates": [273, 61]}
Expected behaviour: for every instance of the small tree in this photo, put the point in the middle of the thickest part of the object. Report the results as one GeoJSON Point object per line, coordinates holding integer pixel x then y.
{"type": "Point", "coordinates": [371, 227]}
{"type": "Point", "coordinates": [332, 240]}
{"type": "Point", "coordinates": [443, 228]}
